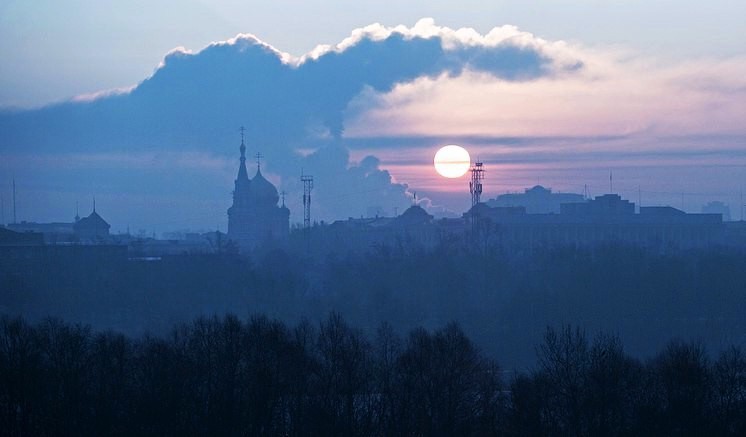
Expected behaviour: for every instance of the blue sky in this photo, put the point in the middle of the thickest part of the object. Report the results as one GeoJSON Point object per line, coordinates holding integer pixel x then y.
{"type": "Point", "coordinates": [557, 93]}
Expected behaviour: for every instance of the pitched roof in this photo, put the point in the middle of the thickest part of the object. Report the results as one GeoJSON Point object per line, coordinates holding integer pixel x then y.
{"type": "Point", "coordinates": [414, 215]}
{"type": "Point", "coordinates": [92, 221]}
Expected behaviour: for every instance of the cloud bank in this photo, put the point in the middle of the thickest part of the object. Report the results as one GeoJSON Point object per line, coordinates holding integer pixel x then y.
{"type": "Point", "coordinates": [196, 101]}
{"type": "Point", "coordinates": [515, 95]}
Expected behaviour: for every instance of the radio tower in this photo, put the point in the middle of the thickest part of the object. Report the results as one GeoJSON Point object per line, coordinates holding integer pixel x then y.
{"type": "Point", "coordinates": [307, 187]}
{"type": "Point", "coordinates": [475, 188]}
{"type": "Point", "coordinates": [14, 201]}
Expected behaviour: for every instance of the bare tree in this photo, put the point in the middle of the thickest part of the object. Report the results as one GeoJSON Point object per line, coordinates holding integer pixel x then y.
{"type": "Point", "coordinates": [21, 381]}
{"type": "Point", "coordinates": [729, 385]}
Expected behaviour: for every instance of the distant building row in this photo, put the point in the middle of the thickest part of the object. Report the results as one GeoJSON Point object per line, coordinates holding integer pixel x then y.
{"type": "Point", "coordinates": [536, 217]}
{"type": "Point", "coordinates": [90, 229]}
{"type": "Point", "coordinates": [604, 219]}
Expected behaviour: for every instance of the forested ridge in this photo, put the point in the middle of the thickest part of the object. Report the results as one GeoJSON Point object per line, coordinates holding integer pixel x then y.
{"type": "Point", "coordinates": [260, 376]}
{"type": "Point", "coordinates": [502, 300]}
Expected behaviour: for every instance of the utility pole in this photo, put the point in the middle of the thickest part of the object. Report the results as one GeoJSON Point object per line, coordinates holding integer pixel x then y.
{"type": "Point", "coordinates": [639, 199]}
{"type": "Point", "coordinates": [14, 202]}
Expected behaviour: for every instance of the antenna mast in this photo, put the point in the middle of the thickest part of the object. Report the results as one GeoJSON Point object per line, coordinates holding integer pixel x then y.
{"type": "Point", "coordinates": [475, 188]}
{"type": "Point", "coordinates": [639, 198]}
{"type": "Point", "coordinates": [307, 187]}
{"type": "Point", "coordinates": [14, 201]}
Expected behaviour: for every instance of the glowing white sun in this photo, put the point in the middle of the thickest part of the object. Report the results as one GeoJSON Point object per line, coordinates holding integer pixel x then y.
{"type": "Point", "coordinates": [452, 161]}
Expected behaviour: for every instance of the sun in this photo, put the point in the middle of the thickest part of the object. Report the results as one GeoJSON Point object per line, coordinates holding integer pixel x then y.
{"type": "Point", "coordinates": [452, 161]}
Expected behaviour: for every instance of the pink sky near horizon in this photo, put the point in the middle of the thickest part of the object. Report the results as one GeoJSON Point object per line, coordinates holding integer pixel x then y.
{"type": "Point", "coordinates": [677, 127]}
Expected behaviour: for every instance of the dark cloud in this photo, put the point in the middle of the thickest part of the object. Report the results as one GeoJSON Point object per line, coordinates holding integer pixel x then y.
{"type": "Point", "coordinates": [195, 102]}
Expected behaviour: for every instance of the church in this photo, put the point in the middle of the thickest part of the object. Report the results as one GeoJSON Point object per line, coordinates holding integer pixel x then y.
{"type": "Point", "coordinates": [255, 219]}
{"type": "Point", "coordinates": [91, 228]}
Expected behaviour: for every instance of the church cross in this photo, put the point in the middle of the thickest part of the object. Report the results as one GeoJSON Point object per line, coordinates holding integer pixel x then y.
{"type": "Point", "coordinates": [259, 157]}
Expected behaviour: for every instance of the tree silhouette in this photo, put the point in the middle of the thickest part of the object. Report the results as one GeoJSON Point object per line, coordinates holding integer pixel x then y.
{"type": "Point", "coordinates": [729, 385]}
{"type": "Point", "coordinates": [227, 376]}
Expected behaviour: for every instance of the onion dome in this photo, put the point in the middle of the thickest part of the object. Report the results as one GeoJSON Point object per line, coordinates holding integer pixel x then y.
{"type": "Point", "coordinates": [262, 191]}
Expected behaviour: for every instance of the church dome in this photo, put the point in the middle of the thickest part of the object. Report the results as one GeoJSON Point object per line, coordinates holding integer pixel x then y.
{"type": "Point", "coordinates": [415, 214]}
{"type": "Point", "coordinates": [262, 191]}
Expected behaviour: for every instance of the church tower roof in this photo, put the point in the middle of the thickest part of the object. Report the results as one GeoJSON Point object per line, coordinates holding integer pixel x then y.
{"type": "Point", "coordinates": [242, 183]}
{"type": "Point", "coordinates": [263, 192]}
{"type": "Point", "coordinates": [242, 173]}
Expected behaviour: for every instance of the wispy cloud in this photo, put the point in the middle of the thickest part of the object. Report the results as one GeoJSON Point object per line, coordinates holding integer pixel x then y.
{"type": "Point", "coordinates": [609, 97]}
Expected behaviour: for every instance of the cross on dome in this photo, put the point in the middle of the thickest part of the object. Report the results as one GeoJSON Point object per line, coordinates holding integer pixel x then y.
{"type": "Point", "coordinates": [259, 157]}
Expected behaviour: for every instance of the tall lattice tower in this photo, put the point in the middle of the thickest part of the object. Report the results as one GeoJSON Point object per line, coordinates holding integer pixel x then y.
{"type": "Point", "coordinates": [475, 186]}
{"type": "Point", "coordinates": [307, 187]}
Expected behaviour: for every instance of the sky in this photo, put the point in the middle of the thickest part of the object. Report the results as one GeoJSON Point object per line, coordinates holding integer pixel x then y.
{"type": "Point", "coordinates": [139, 103]}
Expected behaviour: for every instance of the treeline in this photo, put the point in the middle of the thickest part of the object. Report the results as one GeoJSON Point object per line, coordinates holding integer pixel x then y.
{"type": "Point", "coordinates": [225, 376]}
